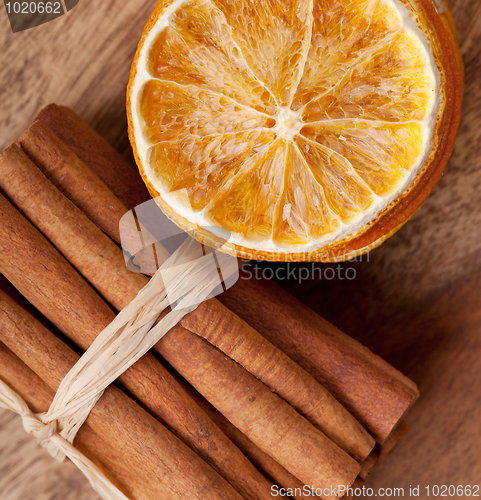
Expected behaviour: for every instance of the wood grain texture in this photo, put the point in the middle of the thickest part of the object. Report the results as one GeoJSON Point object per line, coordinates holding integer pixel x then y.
{"type": "Point", "coordinates": [441, 350]}
{"type": "Point", "coordinates": [27, 472]}
{"type": "Point", "coordinates": [423, 279]}
{"type": "Point", "coordinates": [81, 59]}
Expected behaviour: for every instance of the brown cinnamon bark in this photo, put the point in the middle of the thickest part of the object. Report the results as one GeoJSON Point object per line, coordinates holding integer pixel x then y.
{"type": "Point", "coordinates": [381, 452]}
{"type": "Point", "coordinates": [225, 330]}
{"type": "Point", "coordinates": [278, 474]}
{"type": "Point", "coordinates": [50, 283]}
{"type": "Point", "coordinates": [371, 389]}
{"type": "Point", "coordinates": [78, 183]}
{"type": "Point", "coordinates": [82, 243]}
{"type": "Point", "coordinates": [97, 153]}
{"type": "Point", "coordinates": [38, 396]}
{"type": "Point", "coordinates": [145, 444]}
{"type": "Point", "coordinates": [335, 360]}
{"type": "Point", "coordinates": [272, 424]}
{"type": "Point", "coordinates": [64, 168]}
{"type": "Point", "coordinates": [318, 461]}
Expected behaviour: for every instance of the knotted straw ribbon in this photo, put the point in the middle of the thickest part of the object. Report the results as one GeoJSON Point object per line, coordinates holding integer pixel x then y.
{"type": "Point", "coordinates": [185, 279]}
{"type": "Point", "coordinates": [46, 435]}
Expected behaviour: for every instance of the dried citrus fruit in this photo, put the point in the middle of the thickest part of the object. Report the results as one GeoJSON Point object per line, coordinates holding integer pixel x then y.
{"type": "Point", "coordinates": [306, 129]}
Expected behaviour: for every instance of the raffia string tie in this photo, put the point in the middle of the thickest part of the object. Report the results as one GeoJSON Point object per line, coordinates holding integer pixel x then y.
{"type": "Point", "coordinates": [46, 435]}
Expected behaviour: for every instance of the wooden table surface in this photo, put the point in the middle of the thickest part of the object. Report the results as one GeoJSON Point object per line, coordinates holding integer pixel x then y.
{"type": "Point", "coordinates": [416, 300]}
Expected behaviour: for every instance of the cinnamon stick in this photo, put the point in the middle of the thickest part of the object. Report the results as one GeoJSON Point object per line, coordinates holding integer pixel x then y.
{"type": "Point", "coordinates": [69, 174]}
{"type": "Point", "coordinates": [78, 183]}
{"type": "Point", "coordinates": [66, 227]}
{"type": "Point", "coordinates": [335, 360]}
{"type": "Point", "coordinates": [372, 390]}
{"type": "Point", "coordinates": [38, 397]}
{"type": "Point", "coordinates": [50, 283]}
{"type": "Point", "coordinates": [225, 330]}
{"type": "Point", "coordinates": [278, 474]}
{"type": "Point", "coordinates": [145, 444]}
{"type": "Point", "coordinates": [268, 421]}
{"type": "Point", "coordinates": [97, 153]}
{"type": "Point", "coordinates": [88, 249]}
{"type": "Point", "coordinates": [381, 452]}
{"type": "Point", "coordinates": [318, 461]}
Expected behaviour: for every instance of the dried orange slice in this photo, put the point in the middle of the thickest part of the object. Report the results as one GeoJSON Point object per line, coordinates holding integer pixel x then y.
{"type": "Point", "coordinates": [304, 129]}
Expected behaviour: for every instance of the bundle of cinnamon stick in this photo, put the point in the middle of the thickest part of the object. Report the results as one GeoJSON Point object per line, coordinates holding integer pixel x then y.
{"type": "Point", "coordinates": [250, 392]}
